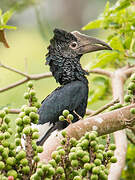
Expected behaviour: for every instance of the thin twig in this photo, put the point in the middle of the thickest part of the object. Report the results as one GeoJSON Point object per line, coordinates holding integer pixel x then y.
{"type": "Point", "coordinates": [14, 111]}
{"type": "Point", "coordinates": [104, 107]}
{"type": "Point", "coordinates": [129, 71]}
{"type": "Point", "coordinates": [40, 76]}
{"type": "Point", "coordinates": [31, 77]}
{"type": "Point", "coordinates": [101, 71]}
{"type": "Point", "coordinates": [14, 70]}
{"type": "Point", "coordinates": [89, 112]}
{"type": "Point", "coordinates": [14, 85]}
{"type": "Point", "coordinates": [78, 115]}
{"type": "Point", "coordinates": [130, 139]}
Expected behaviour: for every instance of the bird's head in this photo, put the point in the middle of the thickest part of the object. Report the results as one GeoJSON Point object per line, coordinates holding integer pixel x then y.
{"type": "Point", "coordinates": [74, 44]}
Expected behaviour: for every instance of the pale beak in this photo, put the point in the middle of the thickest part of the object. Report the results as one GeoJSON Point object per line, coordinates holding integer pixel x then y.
{"type": "Point", "coordinates": [89, 44]}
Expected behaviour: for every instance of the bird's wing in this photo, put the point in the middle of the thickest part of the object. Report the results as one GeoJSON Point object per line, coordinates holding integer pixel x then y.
{"type": "Point", "coordinates": [69, 96]}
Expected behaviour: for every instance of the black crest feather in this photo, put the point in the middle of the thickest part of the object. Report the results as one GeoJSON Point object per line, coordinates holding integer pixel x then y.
{"type": "Point", "coordinates": [63, 35]}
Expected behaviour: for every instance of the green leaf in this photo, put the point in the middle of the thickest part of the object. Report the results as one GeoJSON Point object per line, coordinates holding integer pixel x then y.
{"type": "Point", "coordinates": [107, 6]}
{"type": "Point", "coordinates": [7, 27]}
{"type": "Point", "coordinates": [0, 12]}
{"type": "Point", "coordinates": [127, 42]}
{"type": "Point", "coordinates": [99, 80]}
{"type": "Point", "coordinates": [116, 43]}
{"type": "Point", "coordinates": [133, 47]}
{"type": "Point", "coordinates": [105, 58]}
{"type": "Point", "coordinates": [99, 89]}
{"type": "Point", "coordinates": [93, 25]}
{"type": "Point", "coordinates": [98, 93]}
{"type": "Point", "coordinates": [6, 16]}
{"type": "Point", "coordinates": [121, 4]}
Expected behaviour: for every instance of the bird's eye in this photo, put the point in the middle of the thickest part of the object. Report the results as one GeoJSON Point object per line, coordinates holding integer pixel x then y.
{"type": "Point", "coordinates": [73, 45]}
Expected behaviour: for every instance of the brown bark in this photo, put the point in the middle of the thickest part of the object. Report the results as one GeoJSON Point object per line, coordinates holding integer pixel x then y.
{"type": "Point", "coordinates": [103, 123]}
{"type": "Point", "coordinates": [118, 79]}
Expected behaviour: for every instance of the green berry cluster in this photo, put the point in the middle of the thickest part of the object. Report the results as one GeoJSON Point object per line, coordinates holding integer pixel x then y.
{"type": "Point", "coordinates": [30, 95]}
{"type": "Point", "coordinates": [7, 149]}
{"type": "Point", "coordinates": [66, 116]}
{"type": "Point", "coordinates": [78, 160]}
{"type": "Point", "coordinates": [74, 160]}
{"type": "Point", "coordinates": [27, 156]}
{"type": "Point", "coordinates": [129, 98]}
{"type": "Point", "coordinates": [19, 160]}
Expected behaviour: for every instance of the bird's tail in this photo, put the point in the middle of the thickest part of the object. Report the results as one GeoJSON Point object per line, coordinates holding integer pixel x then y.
{"type": "Point", "coordinates": [46, 135]}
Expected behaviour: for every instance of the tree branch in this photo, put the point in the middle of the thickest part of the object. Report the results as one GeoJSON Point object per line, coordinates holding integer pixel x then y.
{"type": "Point", "coordinates": [118, 79]}
{"type": "Point", "coordinates": [103, 123]}
{"type": "Point", "coordinates": [40, 76]}
{"type": "Point", "coordinates": [104, 107]}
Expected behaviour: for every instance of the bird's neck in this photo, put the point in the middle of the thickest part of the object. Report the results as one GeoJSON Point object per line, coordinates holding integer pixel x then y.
{"type": "Point", "coordinates": [66, 70]}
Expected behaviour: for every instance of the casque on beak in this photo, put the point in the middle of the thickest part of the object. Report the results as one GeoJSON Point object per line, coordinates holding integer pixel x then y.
{"type": "Point", "coordinates": [89, 44]}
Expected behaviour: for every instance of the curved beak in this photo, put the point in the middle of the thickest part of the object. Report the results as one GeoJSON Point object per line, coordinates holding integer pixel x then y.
{"type": "Point", "coordinates": [89, 44]}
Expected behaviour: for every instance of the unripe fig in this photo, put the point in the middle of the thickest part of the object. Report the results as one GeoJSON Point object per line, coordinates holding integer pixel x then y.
{"type": "Point", "coordinates": [36, 159]}
{"type": "Point", "coordinates": [26, 95]}
{"type": "Point", "coordinates": [65, 113]}
{"type": "Point", "coordinates": [30, 84]}
{"type": "Point", "coordinates": [77, 178]}
{"type": "Point", "coordinates": [94, 177]}
{"type": "Point", "coordinates": [12, 173]}
{"type": "Point", "coordinates": [74, 163]}
{"type": "Point", "coordinates": [127, 98]}
{"type": "Point", "coordinates": [61, 118]}
{"type": "Point", "coordinates": [24, 162]}
{"type": "Point", "coordinates": [87, 166]}
{"type": "Point", "coordinates": [132, 110]}
{"type": "Point", "coordinates": [113, 159]}
{"type": "Point", "coordinates": [27, 130]}
{"type": "Point", "coordinates": [112, 147]}
{"type": "Point", "coordinates": [26, 120]}
{"type": "Point", "coordinates": [110, 153]}
{"type": "Point", "coordinates": [70, 116]}
{"type": "Point", "coordinates": [26, 169]}
{"type": "Point", "coordinates": [2, 114]}
{"type": "Point", "coordinates": [86, 159]}
{"type": "Point", "coordinates": [21, 154]}
{"type": "Point", "coordinates": [6, 120]}
{"type": "Point", "coordinates": [10, 161]}
{"type": "Point", "coordinates": [53, 163]}
{"type": "Point", "coordinates": [96, 170]}
{"type": "Point", "coordinates": [97, 162]}
{"type": "Point", "coordinates": [64, 133]}
{"type": "Point", "coordinates": [19, 121]}
{"type": "Point", "coordinates": [131, 86]}
{"type": "Point", "coordinates": [32, 92]}
{"type": "Point", "coordinates": [59, 170]}
{"type": "Point", "coordinates": [72, 156]}
{"type": "Point", "coordinates": [2, 165]}
{"type": "Point", "coordinates": [132, 78]}
{"type": "Point", "coordinates": [35, 135]}
{"type": "Point", "coordinates": [51, 171]}
{"type": "Point", "coordinates": [39, 149]}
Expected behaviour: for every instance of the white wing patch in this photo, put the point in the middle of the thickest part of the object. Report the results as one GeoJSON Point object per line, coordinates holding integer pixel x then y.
{"type": "Point", "coordinates": [42, 129]}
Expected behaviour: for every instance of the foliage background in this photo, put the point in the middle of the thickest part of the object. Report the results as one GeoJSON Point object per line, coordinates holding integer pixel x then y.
{"type": "Point", "coordinates": [28, 44]}
{"type": "Point", "coordinates": [35, 21]}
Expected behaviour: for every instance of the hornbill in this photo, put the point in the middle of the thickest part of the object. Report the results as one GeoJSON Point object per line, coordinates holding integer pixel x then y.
{"type": "Point", "coordinates": [63, 57]}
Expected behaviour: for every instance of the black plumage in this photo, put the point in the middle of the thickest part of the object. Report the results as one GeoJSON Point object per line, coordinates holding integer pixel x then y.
{"type": "Point", "coordinates": [63, 57]}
